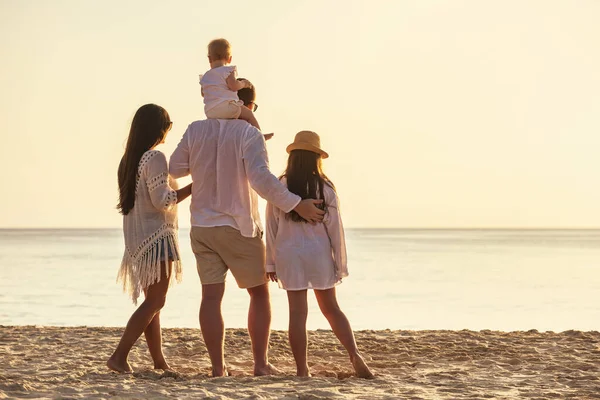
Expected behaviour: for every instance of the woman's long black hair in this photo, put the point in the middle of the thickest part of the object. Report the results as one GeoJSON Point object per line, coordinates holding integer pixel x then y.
{"type": "Point", "coordinates": [305, 178]}
{"type": "Point", "coordinates": [148, 129]}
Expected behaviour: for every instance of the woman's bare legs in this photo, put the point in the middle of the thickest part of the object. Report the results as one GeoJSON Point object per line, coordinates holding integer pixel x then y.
{"type": "Point", "coordinates": [139, 322]}
{"type": "Point", "coordinates": [341, 327]}
{"type": "Point", "coordinates": [153, 336]}
{"type": "Point", "coordinates": [297, 329]}
{"type": "Point", "coordinates": [249, 117]}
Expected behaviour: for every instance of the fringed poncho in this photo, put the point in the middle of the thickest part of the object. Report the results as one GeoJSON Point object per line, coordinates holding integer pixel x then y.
{"type": "Point", "coordinates": [150, 228]}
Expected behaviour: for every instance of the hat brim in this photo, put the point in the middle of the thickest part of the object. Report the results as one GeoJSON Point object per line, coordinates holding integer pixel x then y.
{"type": "Point", "coordinates": [306, 146]}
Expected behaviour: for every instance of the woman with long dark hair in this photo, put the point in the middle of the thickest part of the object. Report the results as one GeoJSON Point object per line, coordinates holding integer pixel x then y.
{"type": "Point", "coordinates": [302, 256]}
{"type": "Point", "coordinates": [148, 200]}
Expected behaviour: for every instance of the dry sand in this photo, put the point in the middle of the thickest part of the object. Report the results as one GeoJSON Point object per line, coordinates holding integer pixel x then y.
{"type": "Point", "coordinates": [52, 362]}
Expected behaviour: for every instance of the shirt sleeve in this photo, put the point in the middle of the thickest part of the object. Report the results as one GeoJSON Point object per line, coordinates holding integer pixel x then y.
{"type": "Point", "coordinates": [272, 227]}
{"type": "Point", "coordinates": [163, 197]}
{"type": "Point", "coordinates": [335, 231]}
{"type": "Point", "coordinates": [229, 69]}
{"type": "Point", "coordinates": [256, 163]}
{"type": "Point", "coordinates": [179, 163]}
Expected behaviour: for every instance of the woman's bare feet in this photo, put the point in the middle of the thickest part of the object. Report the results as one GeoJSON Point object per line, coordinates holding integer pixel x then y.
{"type": "Point", "coordinates": [162, 365]}
{"type": "Point", "coordinates": [120, 366]}
{"type": "Point", "coordinates": [360, 367]}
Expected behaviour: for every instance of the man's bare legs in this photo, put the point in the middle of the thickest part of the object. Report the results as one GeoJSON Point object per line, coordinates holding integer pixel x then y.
{"type": "Point", "coordinates": [156, 295]}
{"type": "Point", "coordinates": [341, 327]}
{"type": "Point", "coordinates": [298, 306]}
{"type": "Point", "coordinates": [259, 328]}
{"type": "Point", "coordinates": [212, 326]}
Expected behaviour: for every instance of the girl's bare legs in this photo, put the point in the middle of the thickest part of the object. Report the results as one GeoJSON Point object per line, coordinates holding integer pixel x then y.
{"type": "Point", "coordinates": [139, 322]}
{"type": "Point", "coordinates": [341, 327]}
{"type": "Point", "coordinates": [297, 329]}
{"type": "Point", "coordinates": [249, 117]}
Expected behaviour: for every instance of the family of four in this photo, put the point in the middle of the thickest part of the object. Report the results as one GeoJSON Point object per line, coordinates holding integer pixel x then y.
{"type": "Point", "coordinates": [227, 159]}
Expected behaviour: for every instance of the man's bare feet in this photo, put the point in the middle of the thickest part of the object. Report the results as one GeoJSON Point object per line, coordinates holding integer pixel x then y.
{"type": "Point", "coordinates": [360, 367]}
{"type": "Point", "coordinates": [265, 371]}
{"type": "Point", "coordinates": [121, 367]}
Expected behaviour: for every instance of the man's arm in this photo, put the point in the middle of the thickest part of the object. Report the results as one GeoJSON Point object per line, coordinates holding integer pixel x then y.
{"type": "Point", "coordinates": [179, 163]}
{"type": "Point", "coordinates": [268, 186]}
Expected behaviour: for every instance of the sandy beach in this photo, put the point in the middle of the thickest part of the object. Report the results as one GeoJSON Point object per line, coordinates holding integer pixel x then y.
{"type": "Point", "coordinates": [57, 362]}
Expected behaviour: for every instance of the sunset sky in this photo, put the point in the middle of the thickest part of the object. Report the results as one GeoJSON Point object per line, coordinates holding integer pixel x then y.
{"type": "Point", "coordinates": [434, 113]}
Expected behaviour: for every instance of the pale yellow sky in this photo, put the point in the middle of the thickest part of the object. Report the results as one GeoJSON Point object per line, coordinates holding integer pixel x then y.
{"type": "Point", "coordinates": [435, 113]}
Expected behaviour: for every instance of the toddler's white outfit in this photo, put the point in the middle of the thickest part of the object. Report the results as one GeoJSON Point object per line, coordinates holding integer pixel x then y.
{"type": "Point", "coordinates": [219, 101]}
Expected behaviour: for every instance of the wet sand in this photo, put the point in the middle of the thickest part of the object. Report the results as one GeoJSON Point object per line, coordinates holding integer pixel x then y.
{"type": "Point", "coordinates": [69, 362]}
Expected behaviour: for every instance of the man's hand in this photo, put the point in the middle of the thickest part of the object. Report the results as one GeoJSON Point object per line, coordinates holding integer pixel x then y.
{"type": "Point", "coordinates": [308, 210]}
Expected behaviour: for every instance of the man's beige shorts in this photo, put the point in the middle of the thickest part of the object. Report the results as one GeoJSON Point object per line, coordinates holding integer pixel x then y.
{"type": "Point", "coordinates": [220, 248]}
{"type": "Point", "coordinates": [226, 110]}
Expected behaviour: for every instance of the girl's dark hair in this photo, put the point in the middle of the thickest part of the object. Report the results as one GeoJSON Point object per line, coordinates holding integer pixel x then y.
{"type": "Point", "coordinates": [305, 178]}
{"type": "Point", "coordinates": [149, 127]}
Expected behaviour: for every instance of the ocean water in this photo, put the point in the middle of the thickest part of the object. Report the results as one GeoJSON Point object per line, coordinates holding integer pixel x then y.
{"type": "Point", "coordinates": [399, 279]}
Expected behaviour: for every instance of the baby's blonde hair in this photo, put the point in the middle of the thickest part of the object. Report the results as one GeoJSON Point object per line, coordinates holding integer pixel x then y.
{"type": "Point", "coordinates": [219, 49]}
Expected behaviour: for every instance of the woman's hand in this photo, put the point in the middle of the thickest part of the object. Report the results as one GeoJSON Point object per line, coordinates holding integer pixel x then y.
{"type": "Point", "coordinates": [272, 276]}
{"type": "Point", "coordinates": [183, 193]}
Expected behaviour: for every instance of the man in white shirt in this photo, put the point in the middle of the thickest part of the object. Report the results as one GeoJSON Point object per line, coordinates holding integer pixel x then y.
{"type": "Point", "coordinates": [228, 162]}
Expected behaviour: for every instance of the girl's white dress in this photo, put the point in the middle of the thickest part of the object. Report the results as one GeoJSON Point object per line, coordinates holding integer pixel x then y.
{"type": "Point", "coordinates": [150, 228]}
{"type": "Point", "coordinates": [306, 256]}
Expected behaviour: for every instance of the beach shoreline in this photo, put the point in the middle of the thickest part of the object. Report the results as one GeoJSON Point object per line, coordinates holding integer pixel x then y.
{"type": "Point", "coordinates": [69, 362]}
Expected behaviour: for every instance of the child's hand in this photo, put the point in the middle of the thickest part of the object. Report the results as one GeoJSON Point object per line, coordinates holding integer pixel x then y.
{"type": "Point", "coordinates": [268, 136]}
{"type": "Point", "coordinates": [272, 276]}
{"type": "Point", "coordinates": [247, 83]}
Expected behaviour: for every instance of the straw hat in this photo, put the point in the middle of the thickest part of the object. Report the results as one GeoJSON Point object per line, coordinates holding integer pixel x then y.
{"type": "Point", "coordinates": [307, 140]}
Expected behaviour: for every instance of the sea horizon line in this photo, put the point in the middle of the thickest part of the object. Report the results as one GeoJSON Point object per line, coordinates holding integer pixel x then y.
{"type": "Point", "coordinates": [407, 228]}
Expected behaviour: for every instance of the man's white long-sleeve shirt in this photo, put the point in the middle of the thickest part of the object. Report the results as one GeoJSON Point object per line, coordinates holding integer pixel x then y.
{"type": "Point", "coordinates": [228, 162]}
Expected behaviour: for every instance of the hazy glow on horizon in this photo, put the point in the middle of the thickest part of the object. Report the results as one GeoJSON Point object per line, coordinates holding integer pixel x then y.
{"type": "Point", "coordinates": [435, 113]}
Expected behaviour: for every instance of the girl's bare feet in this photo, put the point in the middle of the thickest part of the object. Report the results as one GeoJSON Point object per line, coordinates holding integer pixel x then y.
{"type": "Point", "coordinates": [220, 373]}
{"type": "Point", "coordinates": [360, 367]}
{"type": "Point", "coordinates": [120, 366]}
{"type": "Point", "coordinates": [304, 371]}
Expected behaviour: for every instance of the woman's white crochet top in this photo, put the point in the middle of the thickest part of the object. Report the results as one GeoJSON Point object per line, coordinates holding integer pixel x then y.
{"type": "Point", "coordinates": [150, 228]}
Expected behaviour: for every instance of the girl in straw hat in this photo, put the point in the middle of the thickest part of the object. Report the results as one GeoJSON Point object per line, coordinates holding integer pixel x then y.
{"type": "Point", "coordinates": [302, 256]}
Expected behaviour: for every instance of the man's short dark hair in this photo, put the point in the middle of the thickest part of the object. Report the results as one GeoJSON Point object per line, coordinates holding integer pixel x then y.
{"type": "Point", "coordinates": [247, 95]}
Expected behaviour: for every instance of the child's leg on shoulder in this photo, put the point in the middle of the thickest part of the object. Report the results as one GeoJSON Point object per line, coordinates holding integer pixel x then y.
{"type": "Point", "coordinates": [249, 117]}
{"type": "Point", "coordinates": [297, 329]}
{"type": "Point", "coordinates": [341, 327]}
